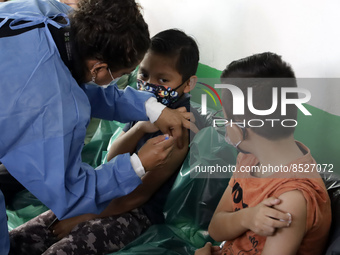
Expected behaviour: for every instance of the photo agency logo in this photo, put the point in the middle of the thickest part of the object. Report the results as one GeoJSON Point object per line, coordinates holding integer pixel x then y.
{"type": "Point", "coordinates": [271, 108]}
{"type": "Point", "coordinates": [274, 101]}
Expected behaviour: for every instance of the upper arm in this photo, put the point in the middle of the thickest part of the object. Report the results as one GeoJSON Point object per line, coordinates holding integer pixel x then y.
{"type": "Point", "coordinates": [153, 180]}
{"type": "Point", "coordinates": [116, 147]}
{"type": "Point", "coordinates": [288, 240]}
{"type": "Point", "coordinates": [225, 203]}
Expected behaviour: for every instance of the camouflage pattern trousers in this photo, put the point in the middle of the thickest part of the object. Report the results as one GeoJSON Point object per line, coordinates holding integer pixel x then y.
{"type": "Point", "coordinates": [98, 236]}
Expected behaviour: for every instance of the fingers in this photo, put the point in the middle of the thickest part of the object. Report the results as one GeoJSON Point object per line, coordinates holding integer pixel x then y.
{"type": "Point", "coordinates": [281, 219]}
{"type": "Point", "coordinates": [194, 128]}
{"type": "Point", "coordinates": [215, 248]}
{"type": "Point", "coordinates": [273, 219]}
{"type": "Point", "coordinates": [166, 142]}
{"type": "Point", "coordinates": [268, 219]}
{"type": "Point", "coordinates": [156, 151]}
{"type": "Point", "coordinates": [58, 233]}
{"type": "Point", "coordinates": [168, 146]}
{"type": "Point", "coordinates": [278, 215]}
{"type": "Point", "coordinates": [267, 230]}
{"type": "Point", "coordinates": [181, 109]}
{"type": "Point", "coordinates": [208, 245]}
{"type": "Point", "coordinates": [189, 116]}
{"type": "Point", "coordinates": [271, 201]}
{"type": "Point", "coordinates": [177, 133]}
{"type": "Point", "coordinates": [192, 117]}
{"type": "Point", "coordinates": [206, 250]}
{"type": "Point", "coordinates": [161, 138]}
{"type": "Point", "coordinates": [190, 125]}
{"type": "Point", "coordinates": [172, 121]}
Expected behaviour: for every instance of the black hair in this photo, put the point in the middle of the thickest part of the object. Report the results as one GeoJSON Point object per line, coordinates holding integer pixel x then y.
{"type": "Point", "coordinates": [112, 31]}
{"type": "Point", "coordinates": [175, 43]}
{"type": "Point", "coordinates": [261, 72]}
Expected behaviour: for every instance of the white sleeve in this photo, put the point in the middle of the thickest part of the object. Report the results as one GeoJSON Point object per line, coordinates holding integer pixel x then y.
{"type": "Point", "coordinates": [153, 109]}
{"type": "Point", "coordinates": [137, 165]}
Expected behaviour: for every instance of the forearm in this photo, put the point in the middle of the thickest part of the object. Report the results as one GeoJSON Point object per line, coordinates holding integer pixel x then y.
{"type": "Point", "coordinates": [126, 143]}
{"type": "Point", "coordinates": [152, 181]}
{"type": "Point", "coordinates": [228, 225]}
{"type": "Point", "coordinates": [114, 104]}
{"type": "Point", "coordinates": [122, 205]}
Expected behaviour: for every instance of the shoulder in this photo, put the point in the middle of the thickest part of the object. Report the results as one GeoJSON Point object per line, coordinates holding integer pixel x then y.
{"type": "Point", "coordinates": [293, 200]}
{"type": "Point", "coordinates": [288, 239]}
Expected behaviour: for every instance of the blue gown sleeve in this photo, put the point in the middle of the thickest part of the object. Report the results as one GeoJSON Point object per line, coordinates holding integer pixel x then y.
{"type": "Point", "coordinates": [4, 238]}
{"type": "Point", "coordinates": [44, 116]}
{"type": "Point", "coordinates": [43, 119]}
{"type": "Point", "coordinates": [112, 103]}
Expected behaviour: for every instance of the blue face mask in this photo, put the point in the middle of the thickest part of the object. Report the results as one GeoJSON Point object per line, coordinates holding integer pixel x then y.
{"type": "Point", "coordinates": [164, 94]}
{"type": "Point", "coordinates": [113, 82]}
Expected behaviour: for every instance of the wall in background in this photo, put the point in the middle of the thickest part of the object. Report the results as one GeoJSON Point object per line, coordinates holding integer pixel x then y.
{"type": "Point", "coordinates": [305, 33]}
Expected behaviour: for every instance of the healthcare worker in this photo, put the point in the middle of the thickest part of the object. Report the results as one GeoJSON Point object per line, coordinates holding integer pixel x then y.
{"type": "Point", "coordinates": [44, 112]}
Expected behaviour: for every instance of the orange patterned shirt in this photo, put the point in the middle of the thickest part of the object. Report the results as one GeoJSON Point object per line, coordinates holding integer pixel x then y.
{"type": "Point", "coordinates": [248, 191]}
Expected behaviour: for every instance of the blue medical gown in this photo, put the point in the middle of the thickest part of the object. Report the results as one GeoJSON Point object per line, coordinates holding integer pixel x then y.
{"type": "Point", "coordinates": [43, 120]}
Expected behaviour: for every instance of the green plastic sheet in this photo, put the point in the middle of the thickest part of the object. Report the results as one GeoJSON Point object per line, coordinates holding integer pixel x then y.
{"type": "Point", "coordinates": [191, 202]}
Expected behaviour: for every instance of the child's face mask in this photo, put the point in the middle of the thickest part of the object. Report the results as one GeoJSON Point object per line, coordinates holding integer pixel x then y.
{"type": "Point", "coordinates": [164, 94]}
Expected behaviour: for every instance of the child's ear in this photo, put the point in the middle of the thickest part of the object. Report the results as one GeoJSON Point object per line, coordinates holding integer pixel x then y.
{"type": "Point", "coordinates": [191, 83]}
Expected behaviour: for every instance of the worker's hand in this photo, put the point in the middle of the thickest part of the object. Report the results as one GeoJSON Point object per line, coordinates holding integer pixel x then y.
{"type": "Point", "coordinates": [63, 228]}
{"type": "Point", "coordinates": [264, 219]}
{"type": "Point", "coordinates": [147, 126]}
{"type": "Point", "coordinates": [171, 122]}
{"type": "Point", "coordinates": [156, 151]}
{"type": "Point", "coordinates": [208, 249]}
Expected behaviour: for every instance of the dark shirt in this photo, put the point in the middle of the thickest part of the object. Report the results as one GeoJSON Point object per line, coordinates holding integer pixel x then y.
{"type": "Point", "coordinates": [153, 208]}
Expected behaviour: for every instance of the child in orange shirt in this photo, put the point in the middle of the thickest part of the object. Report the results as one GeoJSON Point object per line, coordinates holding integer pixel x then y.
{"type": "Point", "coordinates": [268, 212]}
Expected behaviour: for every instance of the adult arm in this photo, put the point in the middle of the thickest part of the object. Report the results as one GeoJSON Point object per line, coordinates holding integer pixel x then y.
{"type": "Point", "coordinates": [129, 104]}
{"type": "Point", "coordinates": [43, 130]}
{"type": "Point", "coordinates": [151, 182]}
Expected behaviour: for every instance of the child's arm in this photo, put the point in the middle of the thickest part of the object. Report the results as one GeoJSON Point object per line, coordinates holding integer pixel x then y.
{"type": "Point", "coordinates": [151, 182]}
{"type": "Point", "coordinates": [127, 142]}
{"type": "Point", "coordinates": [261, 219]}
{"type": "Point", "coordinates": [208, 249]}
{"type": "Point", "coordinates": [288, 240]}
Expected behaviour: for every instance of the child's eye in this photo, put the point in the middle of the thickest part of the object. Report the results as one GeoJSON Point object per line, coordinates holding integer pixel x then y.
{"type": "Point", "coordinates": [163, 80]}
{"type": "Point", "coordinates": [142, 76]}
